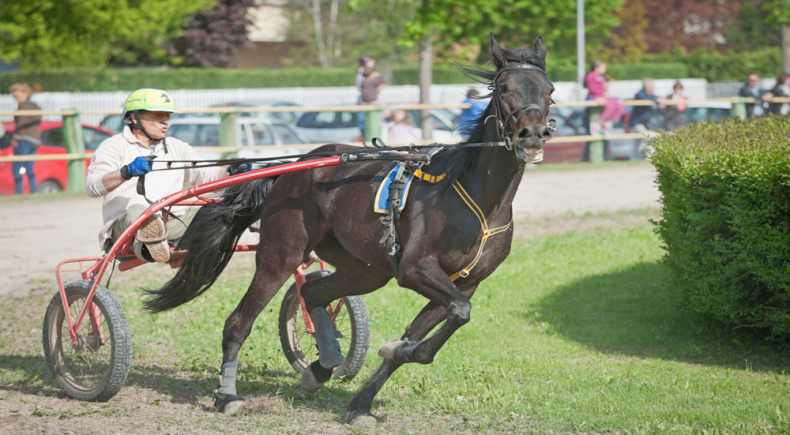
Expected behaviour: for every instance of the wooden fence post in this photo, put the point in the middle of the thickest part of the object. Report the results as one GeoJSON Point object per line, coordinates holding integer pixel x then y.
{"type": "Point", "coordinates": [738, 109]}
{"type": "Point", "coordinates": [75, 144]}
{"type": "Point", "coordinates": [228, 132]}
{"type": "Point", "coordinates": [596, 147]}
{"type": "Point", "coordinates": [372, 124]}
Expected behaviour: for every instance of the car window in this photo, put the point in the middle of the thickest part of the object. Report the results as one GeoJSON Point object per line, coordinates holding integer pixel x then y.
{"type": "Point", "coordinates": [564, 128]}
{"type": "Point", "coordinates": [347, 119]}
{"type": "Point", "coordinates": [53, 137]}
{"type": "Point", "coordinates": [242, 131]}
{"type": "Point", "coordinates": [5, 141]}
{"type": "Point", "coordinates": [261, 134]}
{"type": "Point", "coordinates": [317, 120]}
{"type": "Point", "coordinates": [286, 135]}
{"type": "Point", "coordinates": [286, 116]}
{"type": "Point", "coordinates": [208, 136]}
{"type": "Point", "coordinates": [113, 122]}
{"type": "Point", "coordinates": [184, 132]}
{"type": "Point", "coordinates": [93, 138]}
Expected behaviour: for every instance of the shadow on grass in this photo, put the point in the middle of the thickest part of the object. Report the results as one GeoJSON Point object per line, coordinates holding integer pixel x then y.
{"type": "Point", "coordinates": [630, 312]}
{"type": "Point", "coordinates": [185, 386]}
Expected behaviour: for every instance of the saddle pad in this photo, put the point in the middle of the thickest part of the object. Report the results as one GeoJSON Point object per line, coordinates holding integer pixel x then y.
{"type": "Point", "coordinates": [381, 202]}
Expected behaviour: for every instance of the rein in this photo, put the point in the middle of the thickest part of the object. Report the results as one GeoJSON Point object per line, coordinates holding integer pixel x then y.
{"type": "Point", "coordinates": [499, 103]}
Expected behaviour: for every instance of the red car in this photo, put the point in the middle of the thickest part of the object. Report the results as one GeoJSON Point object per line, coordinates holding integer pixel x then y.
{"type": "Point", "coordinates": [52, 175]}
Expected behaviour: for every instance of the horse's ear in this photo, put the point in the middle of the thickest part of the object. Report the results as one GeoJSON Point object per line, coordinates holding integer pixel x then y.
{"type": "Point", "coordinates": [540, 47]}
{"type": "Point", "coordinates": [497, 52]}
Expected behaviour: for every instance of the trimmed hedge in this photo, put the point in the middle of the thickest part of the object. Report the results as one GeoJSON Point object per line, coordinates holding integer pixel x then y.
{"type": "Point", "coordinates": [636, 71]}
{"type": "Point", "coordinates": [726, 220]}
{"type": "Point", "coordinates": [177, 78]}
{"type": "Point", "coordinates": [730, 65]}
{"type": "Point", "coordinates": [218, 78]}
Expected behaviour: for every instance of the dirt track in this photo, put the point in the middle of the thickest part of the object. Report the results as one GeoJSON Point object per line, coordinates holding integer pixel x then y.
{"type": "Point", "coordinates": [36, 234]}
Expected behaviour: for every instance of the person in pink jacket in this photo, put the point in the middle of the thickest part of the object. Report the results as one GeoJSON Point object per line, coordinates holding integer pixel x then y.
{"type": "Point", "coordinates": [596, 83]}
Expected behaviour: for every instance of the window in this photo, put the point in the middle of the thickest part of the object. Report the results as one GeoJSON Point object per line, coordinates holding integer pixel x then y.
{"type": "Point", "coordinates": [261, 135]}
{"type": "Point", "coordinates": [208, 136]}
{"type": "Point", "coordinates": [184, 132]}
{"type": "Point", "coordinates": [348, 119]}
{"type": "Point", "coordinates": [287, 136]}
{"type": "Point", "coordinates": [317, 120]}
{"type": "Point", "coordinates": [93, 138]}
{"type": "Point", "coordinates": [53, 137]}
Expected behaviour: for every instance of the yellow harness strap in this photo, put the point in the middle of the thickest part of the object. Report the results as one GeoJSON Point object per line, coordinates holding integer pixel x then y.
{"type": "Point", "coordinates": [428, 177]}
{"type": "Point", "coordinates": [463, 273]}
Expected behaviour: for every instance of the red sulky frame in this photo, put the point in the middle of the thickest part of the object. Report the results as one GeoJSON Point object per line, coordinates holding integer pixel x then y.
{"type": "Point", "coordinates": [122, 246]}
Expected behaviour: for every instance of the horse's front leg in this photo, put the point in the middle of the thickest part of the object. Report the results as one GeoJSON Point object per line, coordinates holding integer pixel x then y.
{"type": "Point", "coordinates": [427, 278]}
{"type": "Point", "coordinates": [358, 411]}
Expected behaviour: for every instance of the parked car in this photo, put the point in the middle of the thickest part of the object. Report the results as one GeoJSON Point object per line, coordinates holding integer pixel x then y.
{"type": "Point", "coordinates": [115, 123]}
{"type": "Point", "coordinates": [342, 127]}
{"type": "Point", "coordinates": [628, 149]}
{"type": "Point", "coordinates": [252, 132]}
{"type": "Point", "coordinates": [52, 175]}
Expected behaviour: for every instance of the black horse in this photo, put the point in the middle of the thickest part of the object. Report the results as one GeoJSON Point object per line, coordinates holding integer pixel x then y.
{"type": "Point", "coordinates": [329, 211]}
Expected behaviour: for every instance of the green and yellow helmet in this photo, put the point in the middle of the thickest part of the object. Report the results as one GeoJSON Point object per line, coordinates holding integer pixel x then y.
{"type": "Point", "coordinates": [152, 99]}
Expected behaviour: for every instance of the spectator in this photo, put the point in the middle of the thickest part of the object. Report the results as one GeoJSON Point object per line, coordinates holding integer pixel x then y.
{"type": "Point", "coordinates": [675, 114]}
{"type": "Point", "coordinates": [27, 136]}
{"type": "Point", "coordinates": [596, 83]}
{"type": "Point", "coordinates": [782, 89]}
{"type": "Point", "coordinates": [371, 86]}
{"type": "Point", "coordinates": [470, 115]}
{"type": "Point", "coordinates": [642, 116]}
{"type": "Point", "coordinates": [400, 130]}
{"type": "Point", "coordinates": [752, 90]}
{"type": "Point", "coordinates": [364, 62]}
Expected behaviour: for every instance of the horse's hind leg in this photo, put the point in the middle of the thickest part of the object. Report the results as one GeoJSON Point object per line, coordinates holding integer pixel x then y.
{"type": "Point", "coordinates": [282, 249]}
{"type": "Point", "coordinates": [358, 411]}
{"type": "Point", "coordinates": [352, 277]}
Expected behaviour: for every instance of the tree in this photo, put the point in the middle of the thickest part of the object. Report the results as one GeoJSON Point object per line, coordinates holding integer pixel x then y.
{"type": "Point", "coordinates": [362, 28]}
{"type": "Point", "coordinates": [88, 33]}
{"type": "Point", "coordinates": [779, 13]}
{"type": "Point", "coordinates": [690, 24]}
{"type": "Point", "coordinates": [627, 43]}
{"type": "Point", "coordinates": [214, 37]}
{"type": "Point", "coordinates": [514, 22]}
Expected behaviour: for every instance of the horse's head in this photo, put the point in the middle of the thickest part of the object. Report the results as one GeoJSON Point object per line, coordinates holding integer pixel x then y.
{"type": "Point", "coordinates": [521, 97]}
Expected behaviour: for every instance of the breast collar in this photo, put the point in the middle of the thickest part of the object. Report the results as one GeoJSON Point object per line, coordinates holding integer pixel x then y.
{"type": "Point", "coordinates": [500, 104]}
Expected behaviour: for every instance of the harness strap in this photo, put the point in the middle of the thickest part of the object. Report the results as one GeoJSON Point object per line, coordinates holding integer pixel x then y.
{"type": "Point", "coordinates": [463, 273]}
{"type": "Point", "coordinates": [433, 179]}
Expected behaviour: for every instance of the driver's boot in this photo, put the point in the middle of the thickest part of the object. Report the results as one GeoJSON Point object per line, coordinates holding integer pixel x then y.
{"type": "Point", "coordinates": [151, 241]}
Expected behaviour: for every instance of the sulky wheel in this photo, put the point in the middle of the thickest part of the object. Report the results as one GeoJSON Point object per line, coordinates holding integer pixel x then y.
{"type": "Point", "coordinates": [352, 329]}
{"type": "Point", "coordinates": [96, 369]}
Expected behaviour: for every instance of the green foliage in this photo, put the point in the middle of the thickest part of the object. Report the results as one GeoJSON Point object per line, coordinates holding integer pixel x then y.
{"type": "Point", "coordinates": [636, 71]}
{"type": "Point", "coordinates": [442, 75]}
{"type": "Point", "coordinates": [515, 23]}
{"type": "Point", "coordinates": [753, 28]}
{"type": "Point", "coordinates": [730, 65]}
{"type": "Point", "coordinates": [726, 220]}
{"type": "Point", "coordinates": [87, 33]}
{"type": "Point", "coordinates": [177, 78]}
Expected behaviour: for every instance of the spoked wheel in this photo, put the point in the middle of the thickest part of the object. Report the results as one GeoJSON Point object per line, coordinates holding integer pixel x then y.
{"type": "Point", "coordinates": [95, 369]}
{"type": "Point", "coordinates": [352, 329]}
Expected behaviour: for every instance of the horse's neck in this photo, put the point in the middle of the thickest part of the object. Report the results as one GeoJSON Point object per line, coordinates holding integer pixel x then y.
{"type": "Point", "coordinates": [494, 178]}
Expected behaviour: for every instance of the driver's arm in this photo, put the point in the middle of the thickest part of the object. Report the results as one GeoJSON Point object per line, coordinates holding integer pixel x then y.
{"type": "Point", "coordinates": [112, 180]}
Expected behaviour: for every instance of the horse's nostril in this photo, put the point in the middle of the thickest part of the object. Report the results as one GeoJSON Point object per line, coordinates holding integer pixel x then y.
{"type": "Point", "coordinates": [523, 134]}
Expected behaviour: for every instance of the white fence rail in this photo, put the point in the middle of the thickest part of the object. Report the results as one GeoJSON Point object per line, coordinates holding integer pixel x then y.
{"type": "Point", "coordinates": [440, 94]}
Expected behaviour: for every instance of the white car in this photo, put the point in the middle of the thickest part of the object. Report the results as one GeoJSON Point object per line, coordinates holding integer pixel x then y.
{"type": "Point", "coordinates": [343, 127]}
{"type": "Point", "coordinates": [273, 135]}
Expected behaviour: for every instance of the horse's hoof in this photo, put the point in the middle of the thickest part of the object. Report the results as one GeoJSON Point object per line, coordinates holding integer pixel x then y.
{"type": "Point", "coordinates": [309, 383]}
{"type": "Point", "coordinates": [227, 404]}
{"type": "Point", "coordinates": [360, 418]}
{"type": "Point", "coordinates": [389, 348]}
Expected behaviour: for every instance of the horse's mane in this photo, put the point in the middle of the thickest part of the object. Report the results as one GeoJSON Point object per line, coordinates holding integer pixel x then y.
{"type": "Point", "coordinates": [457, 161]}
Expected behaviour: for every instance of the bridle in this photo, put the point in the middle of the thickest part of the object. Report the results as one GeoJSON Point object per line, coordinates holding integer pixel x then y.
{"type": "Point", "coordinates": [499, 104]}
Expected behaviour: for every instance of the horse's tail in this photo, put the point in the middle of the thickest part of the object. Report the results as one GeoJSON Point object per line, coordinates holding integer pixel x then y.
{"type": "Point", "coordinates": [210, 241]}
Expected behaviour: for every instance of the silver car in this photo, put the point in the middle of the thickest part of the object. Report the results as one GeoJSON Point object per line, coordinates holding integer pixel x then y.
{"type": "Point", "coordinates": [257, 137]}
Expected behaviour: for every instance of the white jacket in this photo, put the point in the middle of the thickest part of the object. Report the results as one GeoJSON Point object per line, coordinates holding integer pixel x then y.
{"type": "Point", "coordinates": [120, 150]}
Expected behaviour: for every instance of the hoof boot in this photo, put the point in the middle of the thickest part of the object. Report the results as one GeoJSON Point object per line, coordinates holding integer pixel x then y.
{"type": "Point", "coordinates": [360, 418]}
{"type": "Point", "coordinates": [227, 404]}
{"type": "Point", "coordinates": [389, 348]}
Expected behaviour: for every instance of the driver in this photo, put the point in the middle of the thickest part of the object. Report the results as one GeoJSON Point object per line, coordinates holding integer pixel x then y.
{"type": "Point", "coordinates": [121, 158]}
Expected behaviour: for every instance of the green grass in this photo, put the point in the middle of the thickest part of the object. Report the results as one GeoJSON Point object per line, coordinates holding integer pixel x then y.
{"type": "Point", "coordinates": [574, 332]}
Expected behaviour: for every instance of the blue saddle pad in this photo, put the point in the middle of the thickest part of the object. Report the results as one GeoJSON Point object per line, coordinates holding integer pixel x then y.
{"type": "Point", "coordinates": [381, 202]}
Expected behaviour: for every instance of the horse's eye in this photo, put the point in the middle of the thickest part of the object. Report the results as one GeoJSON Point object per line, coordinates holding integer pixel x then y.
{"type": "Point", "coordinates": [503, 88]}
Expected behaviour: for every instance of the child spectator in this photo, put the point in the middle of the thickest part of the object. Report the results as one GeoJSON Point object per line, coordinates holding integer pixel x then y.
{"type": "Point", "coordinates": [596, 85]}
{"type": "Point", "coordinates": [400, 130]}
{"type": "Point", "coordinates": [372, 84]}
{"type": "Point", "coordinates": [675, 114]}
